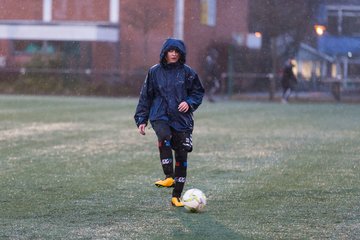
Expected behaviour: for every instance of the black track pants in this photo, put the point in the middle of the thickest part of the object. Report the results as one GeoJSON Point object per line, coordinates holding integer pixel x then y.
{"type": "Point", "coordinates": [181, 143]}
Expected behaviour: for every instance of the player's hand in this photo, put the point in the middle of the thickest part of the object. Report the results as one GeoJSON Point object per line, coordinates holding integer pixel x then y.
{"type": "Point", "coordinates": [183, 107]}
{"type": "Point", "coordinates": [142, 129]}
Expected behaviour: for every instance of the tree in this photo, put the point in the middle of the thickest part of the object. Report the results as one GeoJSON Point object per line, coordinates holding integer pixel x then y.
{"type": "Point", "coordinates": [145, 17]}
{"type": "Point", "coordinates": [291, 21]}
{"type": "Point", "coordinates": [284, 24]}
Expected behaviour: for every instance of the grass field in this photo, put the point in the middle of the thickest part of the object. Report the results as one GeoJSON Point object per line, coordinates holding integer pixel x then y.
{"type": "Point", "coordinates": [76, 168]}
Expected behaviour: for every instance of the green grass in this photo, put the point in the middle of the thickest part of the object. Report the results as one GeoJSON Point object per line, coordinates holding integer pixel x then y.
{"type": "Point", "coordinates": [76, 168]}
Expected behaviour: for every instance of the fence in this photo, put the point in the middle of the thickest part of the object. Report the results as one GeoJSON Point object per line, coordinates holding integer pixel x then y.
{"type": "Point", "coordinates": [242, 83]}
{"type": "Point", "coordinates": [238, 84]}
{"type": "Point", "coordinates": [67, 82]}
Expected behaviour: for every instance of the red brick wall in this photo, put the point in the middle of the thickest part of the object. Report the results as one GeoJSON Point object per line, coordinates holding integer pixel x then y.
{"type": "Point", "coordinates": [69, 10]}
{"type": "Point", "coordinates": [231, 17]}
{"type": "Point", "coordinates": [144, 27]}
{"type": "Point", "coordinates": [104, 56]}
{"type": "Point", "coordinates": [4, 48]}
{"type": "Point", "coordinates": [21, 10]}
{"type": "Point", "coordinates": [75, 10]}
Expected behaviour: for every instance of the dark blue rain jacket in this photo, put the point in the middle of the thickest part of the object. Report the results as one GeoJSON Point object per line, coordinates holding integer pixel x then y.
{"type": "Point", "coordinates": [166, 86]}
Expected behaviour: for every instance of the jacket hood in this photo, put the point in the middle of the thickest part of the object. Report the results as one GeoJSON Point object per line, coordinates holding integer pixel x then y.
{"type": "Point", "coordinates": [172, 43]}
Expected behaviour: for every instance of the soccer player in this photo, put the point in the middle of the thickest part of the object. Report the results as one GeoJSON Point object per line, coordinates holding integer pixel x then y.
{"type": "Point", "coordinates": [288, 80]}
{"type": "Point", "coordinates": [172, 91]}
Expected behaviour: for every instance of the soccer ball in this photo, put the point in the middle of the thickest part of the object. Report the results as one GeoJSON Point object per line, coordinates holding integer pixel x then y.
{"type": "Point", "coordinates": [194, 200]}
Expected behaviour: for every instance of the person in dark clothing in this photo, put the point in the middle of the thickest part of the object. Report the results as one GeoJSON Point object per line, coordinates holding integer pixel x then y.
{"type": "Point", "coordinates": [288, 81]}
{"type": "Point", "coordinates": [212, 74]}
{"type": "Point", "coordinates": [172, 91]}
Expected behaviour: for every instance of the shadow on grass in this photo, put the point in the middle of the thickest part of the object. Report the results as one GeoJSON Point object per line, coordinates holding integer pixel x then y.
{"type": "Point", "coordinates": [203, 226]}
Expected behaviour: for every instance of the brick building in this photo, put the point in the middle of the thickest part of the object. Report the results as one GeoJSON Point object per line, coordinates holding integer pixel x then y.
{"type": "Point", "coordinates": [117, 37]}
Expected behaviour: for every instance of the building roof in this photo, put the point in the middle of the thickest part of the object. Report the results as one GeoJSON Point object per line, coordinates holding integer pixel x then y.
{"type": "Point", "coordinates": [306, 51]}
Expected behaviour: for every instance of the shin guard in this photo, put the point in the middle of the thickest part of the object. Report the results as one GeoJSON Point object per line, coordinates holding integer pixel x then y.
{"type": "Point", "coordinates": [180, 172]}
{"type": "Point", "coordinates": [166, 157]}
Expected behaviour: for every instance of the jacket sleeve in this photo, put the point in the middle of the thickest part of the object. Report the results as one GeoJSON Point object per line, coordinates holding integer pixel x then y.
{"type": "Point", "coordinates": [145, 100]}
{"type": "Point", "coordinates": [195, 91]}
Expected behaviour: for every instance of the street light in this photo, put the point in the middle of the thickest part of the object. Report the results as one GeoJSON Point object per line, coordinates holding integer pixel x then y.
{"type": "Point", "coordinates": [319, 29]}
{"type": "Point", "coordinates": [258, 34]}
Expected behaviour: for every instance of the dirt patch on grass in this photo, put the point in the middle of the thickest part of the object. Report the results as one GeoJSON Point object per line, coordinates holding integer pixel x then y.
{"type": "Point", "coordinates": [35, 129]}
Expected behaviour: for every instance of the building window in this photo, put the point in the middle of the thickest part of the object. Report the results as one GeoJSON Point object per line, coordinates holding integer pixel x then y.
{"type": "Point", "coordinates": [66, 54]}
{"type": "Point", "coordinates": [354, 69]}
{"type": "Point", "coordinates": [343, 20]}
{"type": "Point", "coordinates": [28, 47]}
{"type": "Point", "coordinates": [351, 26]}
{"type": "Point", "coordinates": [332, 27]}
{"type": "Point", "coordinates": [305, 70]}
{"type": "Point", "coordinates": [334, 71]}
{"type": "Point", "coordinates": [208, 12]}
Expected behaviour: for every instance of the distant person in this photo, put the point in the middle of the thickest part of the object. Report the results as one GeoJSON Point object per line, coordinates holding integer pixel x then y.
{"type": "Point", "coordinates": [172, 91]}
{"type": "Point", "coordinates": [288, 80]}
{"type": "Point", "coordinates": [212, 74]}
